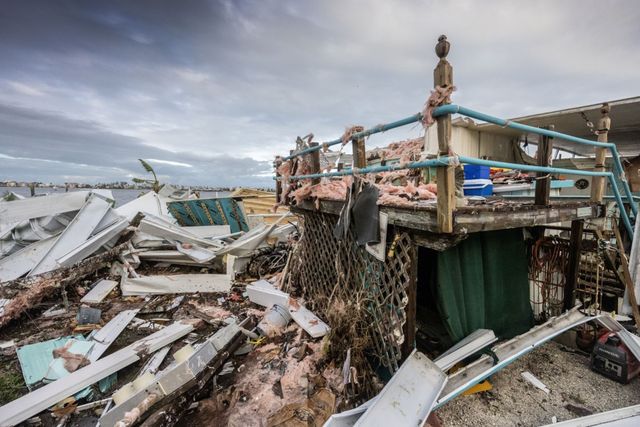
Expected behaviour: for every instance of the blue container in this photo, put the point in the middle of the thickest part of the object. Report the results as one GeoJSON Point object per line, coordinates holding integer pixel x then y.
{"type": "Point", "coordinates": [476, 172]}
{"type": "Point", "coordinates": [478, 187]}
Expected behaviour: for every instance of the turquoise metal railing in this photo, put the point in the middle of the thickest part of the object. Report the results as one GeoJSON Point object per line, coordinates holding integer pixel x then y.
{"type": "Point", "coordinates": [456, 109]}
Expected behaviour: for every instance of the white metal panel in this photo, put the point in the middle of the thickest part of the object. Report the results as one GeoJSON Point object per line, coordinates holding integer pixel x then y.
{"type": "Point", "coordinates": [37, 401]}
{"type": "Point", "coordinates": [409, 396]}
{"type": "Point", "coordinates": [99, 291]}
{"type": "Point", "coordinates": [88, 247]}
{"type": "Point", "coordinates": [176, 284]}
{"type": "Point", "coordinates": [36, 207]}
{"type": "Point", "coordinates": [20, 263]}
{"type": "Point", "coordinates": [109, 333]}
{"type": "Point", "coordinates": [623, 417]}
{"type": "Point", "coordinates": [75, 234]}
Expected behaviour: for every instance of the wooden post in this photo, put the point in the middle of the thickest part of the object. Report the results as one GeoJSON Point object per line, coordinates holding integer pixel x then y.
{"type": "Point", "coordinates": [628, 281]}
{"type": "Point", "coordinates": [409, 329]}
{"type": "Point", "coordinates": [315, 162]}
{"type": "Point", "coordinates": [359, 150]}
{"type": "Point", "coordinates": [604, 124]}
{"type": "Point", "coordinates": [277, 163]}
{"type": "Point", "coordinates": [543, 182]}
{"type": "Point", "coordinates": [443, 77]}
{"type": "Point", "coordinates": [571, 279]}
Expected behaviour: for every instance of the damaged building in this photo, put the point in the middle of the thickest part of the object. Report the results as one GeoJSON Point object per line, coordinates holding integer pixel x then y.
{"type": "Point", "coordinates": [484, 273]}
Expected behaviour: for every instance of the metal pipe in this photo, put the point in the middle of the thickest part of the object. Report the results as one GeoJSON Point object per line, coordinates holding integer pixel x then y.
{"type": "Point", "coordinates": [456, 109]}
{"type": "Point", "coordinates": [376, 129]}
{"type": "Point", "coordinates": [550, 169]}
{"type": "Point", "coordinates": [473, 161]}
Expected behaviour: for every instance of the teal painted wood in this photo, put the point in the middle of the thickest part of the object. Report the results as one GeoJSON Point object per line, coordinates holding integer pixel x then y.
{"type": "Point", "coordinates": [220, 211]}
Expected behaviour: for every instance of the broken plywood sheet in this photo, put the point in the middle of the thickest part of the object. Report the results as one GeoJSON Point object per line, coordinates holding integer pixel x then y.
{"type": "Point", "coordinates": [99, 291]}
{"type": "Point", "coordinates": [176, 284]}
{"type": "Point", "coordinates": [409, 396]}
{"type": "Point", "coordinates": [76, 233]}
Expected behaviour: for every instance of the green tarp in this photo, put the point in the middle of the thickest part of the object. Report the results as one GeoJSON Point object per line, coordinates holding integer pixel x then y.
{"type": "Point", "coordinates": [483, 283]}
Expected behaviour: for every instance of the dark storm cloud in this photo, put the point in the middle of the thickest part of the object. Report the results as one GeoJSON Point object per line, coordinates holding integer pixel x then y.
{"type": "Point", "coordinates": [194, 82]}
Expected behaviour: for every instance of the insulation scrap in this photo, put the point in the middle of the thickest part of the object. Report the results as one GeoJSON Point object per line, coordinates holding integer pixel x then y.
{"type": "Point", "coordinates": [406, 151]}
{"type": "Point", "coordinates": [72, 361]}
{"type": "Point", "coordinates": [438, 96]}
{"type": "Point", "coordinates": [387, 199]}
{"type": "Point", "coordinates": [331, 190]}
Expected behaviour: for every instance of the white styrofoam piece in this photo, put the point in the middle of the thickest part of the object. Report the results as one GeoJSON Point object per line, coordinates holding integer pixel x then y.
{"type": "Point", "coordinates": [39, 400]}
{"type": "Point", "coordinates": [176, 284]}
{"type": "Point", "coordinates": [409, 396]}
{"type": "Point", "coordinates": [99, 291]}
{"type": "Point", "coordinates": [76, 233]}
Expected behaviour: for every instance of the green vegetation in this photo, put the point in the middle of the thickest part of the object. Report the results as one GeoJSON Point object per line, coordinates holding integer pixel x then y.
{"type": "Point", "coordinates": [154, 182]}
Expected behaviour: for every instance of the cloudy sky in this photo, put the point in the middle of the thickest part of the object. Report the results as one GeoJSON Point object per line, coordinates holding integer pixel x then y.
{"type": "Point", "coordinates": [210, 91]}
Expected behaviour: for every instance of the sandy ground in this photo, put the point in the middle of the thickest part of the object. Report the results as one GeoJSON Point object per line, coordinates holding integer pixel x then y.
{"type": "Point", "coordinates": [575, 391]}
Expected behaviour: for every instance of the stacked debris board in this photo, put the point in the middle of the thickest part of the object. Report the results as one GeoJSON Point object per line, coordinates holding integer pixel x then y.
{"type": "Point", "coordinates": [380, 285]}
{"type": "Point", "coordinates": [221, 211]}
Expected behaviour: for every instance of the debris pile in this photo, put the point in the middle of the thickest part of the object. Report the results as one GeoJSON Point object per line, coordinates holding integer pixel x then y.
{"type": "Point", "coordinates": [125, 309]}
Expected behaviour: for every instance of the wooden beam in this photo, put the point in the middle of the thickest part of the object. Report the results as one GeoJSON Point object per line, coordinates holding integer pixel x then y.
{"type": "Point", "coordinates": [573, 269]}
{"type": "Point", "coordinates": [359, 150]}
{"type": "Point", "coordinates": [628, 281]}
{"type": "Point", "coordinates": [315, 162]}
{"type": "Point", "coordinates": [277, 163]}
{"type": "Point", "coordinates": [409, 328]}
{"type": "Point", "coordinates": [445, 175]}
{"type": "Point", "coordinates": [543, 180]}
{"type": "Point", "coordinates": [604, 124]}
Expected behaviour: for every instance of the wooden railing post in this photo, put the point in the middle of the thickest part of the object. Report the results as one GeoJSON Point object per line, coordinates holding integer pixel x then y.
{"type": "Point", "coordinates": [315, 162]}
{"type": "Point", "coordinates": [443, 77]}
{"type": "Point", "coordinates": [359, 150]}
{"type": "Point", "coordinates": [277, 163]}
{"type": "Point", "coordinates": [604, 124]}
{"type": "Point", "coordinates": [543, 181]}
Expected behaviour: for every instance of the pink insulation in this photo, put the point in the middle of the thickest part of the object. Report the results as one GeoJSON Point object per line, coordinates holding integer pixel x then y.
{"type": "Point", "coordinates": [438, 96]}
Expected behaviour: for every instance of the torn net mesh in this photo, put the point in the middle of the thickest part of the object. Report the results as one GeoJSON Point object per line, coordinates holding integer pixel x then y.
{"type": "Point", "coordinates": [325, 270]}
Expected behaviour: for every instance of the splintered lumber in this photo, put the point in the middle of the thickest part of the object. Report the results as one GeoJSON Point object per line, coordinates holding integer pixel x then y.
{"type": "Point", "coordinates": [29, 291]}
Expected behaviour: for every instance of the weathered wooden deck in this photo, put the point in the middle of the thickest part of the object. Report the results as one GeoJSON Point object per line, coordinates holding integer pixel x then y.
{"type": "Point", "coordinates": [495, 215]}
